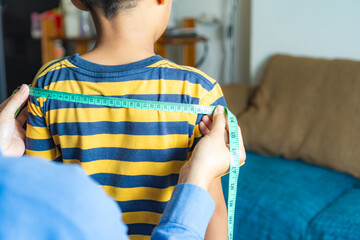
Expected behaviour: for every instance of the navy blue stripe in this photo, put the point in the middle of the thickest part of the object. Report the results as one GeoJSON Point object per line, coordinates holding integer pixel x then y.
{"type": "Point", "coordinates": [220, 101]}
{"type": "Point", "coordinates": [133, 155]}
{"type": "Point", "coordinates": [33, 100]}
{"type": "Point", "coordinates": [97, 68]}
{"type": "Point", "coordinates": [58, 159]}
{"type": "Point", "coordinates": [176, 98]}
{"type": "Point", "coordinates": [131, 128]}
{"type": "Point", "coordinates": [65, 74]}
{"type": "Point", "coordinates": [39, 145]}
{"type": "Point", "coordinates": [140, 229]}
{"type": "Point", "coordinates": [121, 181]}
{"type": "Point", "coordinates": [142, 206]}
{"type": "Point", "coordinates": [36, 121]}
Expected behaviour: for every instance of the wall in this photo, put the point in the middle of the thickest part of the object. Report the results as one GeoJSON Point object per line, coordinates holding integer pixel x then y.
{"type": "Point", "coordinates": [321, 28]}
{"type": "Point", "coordinates": [216, 59]}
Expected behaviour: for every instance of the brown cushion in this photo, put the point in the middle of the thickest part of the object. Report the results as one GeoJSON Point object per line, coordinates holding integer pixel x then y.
{"type": "Point", "coordinates": [307, 109]}
{"type": "Point", "coordinates": [237, 97]}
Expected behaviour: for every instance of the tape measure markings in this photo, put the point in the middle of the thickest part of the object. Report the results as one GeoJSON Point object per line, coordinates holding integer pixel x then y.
{"type": "Point", "coordinates": [167, 107]}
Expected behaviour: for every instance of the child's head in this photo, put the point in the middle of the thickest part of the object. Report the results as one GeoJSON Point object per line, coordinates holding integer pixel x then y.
{"type": "Point", "coordinates": [158, 10]}
{"type": "Point", "coordinates": [107, 7]}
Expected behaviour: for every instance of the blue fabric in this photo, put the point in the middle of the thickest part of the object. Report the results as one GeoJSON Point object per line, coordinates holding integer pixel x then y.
{"type": "Point", "coordinates": [341, 220]}
{"type": "Point", "coordinates": [278, 198]}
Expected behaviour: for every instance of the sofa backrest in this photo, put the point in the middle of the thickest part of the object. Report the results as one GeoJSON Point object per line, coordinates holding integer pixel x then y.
{"type": "Point", "coordinates": [307, 109]}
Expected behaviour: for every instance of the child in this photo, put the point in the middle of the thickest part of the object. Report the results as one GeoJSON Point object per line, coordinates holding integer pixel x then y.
{"type": "Point", "coordinates": [134, 154]}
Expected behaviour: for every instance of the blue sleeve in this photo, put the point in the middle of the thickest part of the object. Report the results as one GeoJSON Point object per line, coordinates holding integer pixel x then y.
{"type": "Point", "coordinates": [46, 200]}
{"type": "Point", "coordinates": [187, 215]}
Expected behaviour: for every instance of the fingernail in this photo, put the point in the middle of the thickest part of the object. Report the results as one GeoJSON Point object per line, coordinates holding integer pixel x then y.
{"type": "Point", "coordinates": [220, 109]}
{"type": "Point", "coordinates": [23, 88]}
{"type": "Point", "coordinates": [17, 89]}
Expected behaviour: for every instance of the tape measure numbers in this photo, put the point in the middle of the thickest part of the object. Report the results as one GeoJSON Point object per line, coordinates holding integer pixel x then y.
{"type": "Point", "coordinates": [167, 107]}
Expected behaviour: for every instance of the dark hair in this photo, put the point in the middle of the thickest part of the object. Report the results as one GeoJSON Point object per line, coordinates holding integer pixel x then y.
{"type": "Point", "coordinates": [109, 7]}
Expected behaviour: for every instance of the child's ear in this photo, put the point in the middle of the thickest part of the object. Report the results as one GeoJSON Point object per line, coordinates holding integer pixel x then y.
{"type": "Point", "coordinates": [79, 5]}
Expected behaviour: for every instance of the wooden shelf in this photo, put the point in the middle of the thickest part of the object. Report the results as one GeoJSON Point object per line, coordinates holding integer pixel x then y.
{"type": "Point", "coordinates": [49, 36]}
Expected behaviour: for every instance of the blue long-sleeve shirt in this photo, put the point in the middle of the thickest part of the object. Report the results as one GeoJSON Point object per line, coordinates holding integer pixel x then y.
{"type": "Point", "coordinates": [44, 200]}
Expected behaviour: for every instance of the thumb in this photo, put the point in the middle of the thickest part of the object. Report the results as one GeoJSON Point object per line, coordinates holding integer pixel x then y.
{"type": "Point", "coordinates": [15, 102]}
{"type": "Point", "coordinates": [219, 120]}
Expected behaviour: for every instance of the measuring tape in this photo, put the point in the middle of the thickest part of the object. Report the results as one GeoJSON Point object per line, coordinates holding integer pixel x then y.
{"type": "Point", "coordinates": [167, 107]}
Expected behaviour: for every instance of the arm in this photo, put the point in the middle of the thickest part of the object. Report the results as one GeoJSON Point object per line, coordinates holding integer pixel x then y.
{"type": "Point", "coordinates": [39, 141]}
{"type": "Point", "coordinates": [190, 209]}
{"type": "Point", "coordinates": [217, 228]}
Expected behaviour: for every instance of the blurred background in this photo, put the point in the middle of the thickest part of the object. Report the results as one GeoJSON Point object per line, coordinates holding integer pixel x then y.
{"type": "Point", "coordinates": [229, 40]}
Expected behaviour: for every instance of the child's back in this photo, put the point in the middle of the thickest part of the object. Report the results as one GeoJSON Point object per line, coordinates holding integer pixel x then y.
{"type": "Point", "coordinates": [134, 154]}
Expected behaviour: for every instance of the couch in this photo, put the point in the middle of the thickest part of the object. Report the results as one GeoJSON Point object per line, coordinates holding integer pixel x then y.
{"type": "Point", "coordinates": [301, 179]}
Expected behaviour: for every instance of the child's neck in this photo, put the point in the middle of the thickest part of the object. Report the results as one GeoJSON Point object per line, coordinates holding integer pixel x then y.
{"type": "Point", "coordinates": [121, 41]}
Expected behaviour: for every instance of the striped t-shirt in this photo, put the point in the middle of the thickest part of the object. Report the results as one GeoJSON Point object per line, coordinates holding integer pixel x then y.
{"type": "Point", "coordinates": [136, 155]}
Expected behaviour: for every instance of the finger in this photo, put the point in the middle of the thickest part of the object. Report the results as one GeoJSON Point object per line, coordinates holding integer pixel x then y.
{"type": "Point", "coordinates": [15, 102]}
{"type": "Point", "coordinates": [3, 104]}
{"type": "Point", "coordinates": [208, 121]}
{"type": "Point", "coordinates": [227, 123]}
{"type": "Point", "coordinates": [204, 129]}
{"type": "Point", "coordinates": [219, 121]}
{"type": "Point", "coordinates": [23, 116]}
{"type": "Point", "coordinates": [241, 147]}
{"type": "Point", "coordinates": [226, 136]}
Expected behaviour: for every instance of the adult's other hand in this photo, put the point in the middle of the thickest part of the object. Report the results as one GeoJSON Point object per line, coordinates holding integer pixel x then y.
{"type": "Point", "coordinates": [12, 135]}
{"type": "Point", "coordinates": [211, 156]}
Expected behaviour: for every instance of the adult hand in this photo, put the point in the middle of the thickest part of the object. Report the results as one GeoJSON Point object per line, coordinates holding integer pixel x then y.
{"type": "Point", "coordinates": [211, 156]}
{"type": "Point", "coordinates": [12, 135]}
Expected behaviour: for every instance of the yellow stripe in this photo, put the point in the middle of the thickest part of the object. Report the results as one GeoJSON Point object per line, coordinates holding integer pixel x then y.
{"type": "Point", "coordinates": [211, 96]}
{"type": "Point", "coordinates": [139, 237]}
{"type": "Point", "coordinates": [50, 154]}
{"type": "Point", "coordinates": [40, 133]}
{"type": "Point", "coordinates": [41, 70]}
{"type": "Point", "coordinates": [132, 168]}
{"type": "Point", "coordinates": [141, 217]}
{"type": "Point", "coordinates": [62, 64]}
{"type": "Point", "coordinates": [160, 86]}
{"type": "Point", "coordinates": [35, 110]}
{"type": "Point", "coordinates": [140, 193]}
{"type": "Point", "coordinates": [125, 141]}
{"type": "Point", "coordinates": [56, 139]}
{"type": "Point", "coordinates": [168, 64]}
{"type": "Point", "coordinates": [72, 161]}
{"type": "Point", "coordinates": [115, 115]}
{"type": "Point", "coordinates": [197, 132]}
